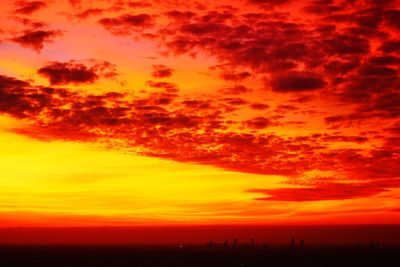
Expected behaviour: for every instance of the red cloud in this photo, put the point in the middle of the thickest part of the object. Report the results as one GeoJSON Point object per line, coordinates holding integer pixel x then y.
{"type": "Point", "coordinates": [169, 87]}
{"type": "Point", "coordinates": [27, 8]}
{"type": "Point", "coordinates": [269, 2]}
{"type": "Point", "coordinates": [127, 23]}
{"type": "Point", "coordinates": [61, 73]}
{"type": "Point", "coordinates": [296, 81]}
{"type": "Point", "coordinates": [140, 4]}
{"type": "Point", "coordinates": [390, 46]}
{"type": "Point", "coordinates": [161, 71]}
{"type": "Point", "coordinates": [258, 123]}
{"type": "Point", "coordinates": [74, 2]}
{"type": "Point", "coordinates": [327, 191]}
{"type": "Point", "coordinates": [236, 90]}
{"type": "Point", "coordinates": [36, 39]}
{"type": "Point", "coordinates": [90, 12]}
{"type": "Point", "coordinates": [235, 76]}
{"type": "Point", "coordinates": [259, 106]}
{"type": "Point", "coordinates": [320, 7]}
{"type": "Point", "coordinates": [382, 2]}
{"type": "Point", "coordinates": [18, 102]}
{"type": "Point", "coordinates": [179, 15]}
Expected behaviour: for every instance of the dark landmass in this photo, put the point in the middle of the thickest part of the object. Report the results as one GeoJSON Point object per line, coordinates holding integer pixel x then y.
{"type": "Point", "coordinates": [191, 234]}
{"type": "Point", "coordinates": [235, 246]}
{"type": "Point", "coordinates": [372, 254]}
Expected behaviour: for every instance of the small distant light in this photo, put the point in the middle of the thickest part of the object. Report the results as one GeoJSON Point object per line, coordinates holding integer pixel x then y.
{"type": "Point", "coordinates": [181, 246]}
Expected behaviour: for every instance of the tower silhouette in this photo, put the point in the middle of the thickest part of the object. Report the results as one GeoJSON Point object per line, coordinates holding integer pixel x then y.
{"type": "Point", "coordinates": [293, 243]}
{"type": "Point", "coordinates": [235, 243]}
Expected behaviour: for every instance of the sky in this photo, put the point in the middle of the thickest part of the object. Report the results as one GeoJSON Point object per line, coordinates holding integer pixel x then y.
{"type": "Point", "coordinates": [240, 112]}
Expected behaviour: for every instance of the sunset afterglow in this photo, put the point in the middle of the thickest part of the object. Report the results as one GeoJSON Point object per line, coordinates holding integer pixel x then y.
{"type": "Point", "coordinates": [239, 112]}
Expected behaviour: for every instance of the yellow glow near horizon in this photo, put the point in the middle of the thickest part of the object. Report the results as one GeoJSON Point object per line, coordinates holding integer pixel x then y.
{"type": "Point", "coordinates": [75, 184]}
{"type": "Point", "coordinates": [62, 178]}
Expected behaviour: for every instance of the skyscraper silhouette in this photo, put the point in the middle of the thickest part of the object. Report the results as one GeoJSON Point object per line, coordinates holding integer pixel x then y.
{"type": "Point", "coordinates": [235, 243]}
{"type": "Point", "coordinates": [293, 243]}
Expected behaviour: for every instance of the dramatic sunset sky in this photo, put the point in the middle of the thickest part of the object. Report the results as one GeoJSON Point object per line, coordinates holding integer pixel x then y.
{"type": "Point", "coordinates": [182, 112]}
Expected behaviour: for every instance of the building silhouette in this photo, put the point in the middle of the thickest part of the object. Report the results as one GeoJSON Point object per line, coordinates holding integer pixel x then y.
{"type": "Point", "coordinates": [293, 243]}
{"type": "Point", "coordinates": [235, 243]}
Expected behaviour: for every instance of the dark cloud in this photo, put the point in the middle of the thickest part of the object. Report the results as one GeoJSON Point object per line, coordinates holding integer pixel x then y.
{"type": "Point", "coordinates": [197, 104]}
{"type": "Point", "coordinates": [340, 67]}
{"type": "Point", "coordinates": [334, 54]}
{"type": "Point", "coordinates": [17, 101]}
{"type": "Point", "coordinates": [374, 70]}
{"type": "Point", "coordinates": [170, 87]}
{"type": "Point", "coordinates": [234, 101]}
{"type": "Point", "coordinates": [127, 23]}
{"type": "Point", "coordinates": [381, 2]}
{"type": "Point", "coordinates": [201, 29]}
{"type": "Point", "coordinates": [179, 15]}
{"type": "Point", "coordinates": [343, 138]}
{"type": "Point", "coordinates": [283, 108]}
{"type": "Point", "coordinates": [392, 18]}
{"type": "Point", "coordinates": [263, 45]}
{"type": "Point", "coordinates": [379, 106]}
{"type": "Point", "coordinates": [296, 82]}
{"type": "Point", "coordinates": [269, 2]}
{"type": "Point", "coordinates": [27, 8]}
{"type": "Point", "coordinates": [31, 23]}
{"type": "Point", "coordinates": [161, 71]}
{"type": "Point", "coordinates": [9, 82]}
{"type": "Point", "coordinates": [327, 191]}
{"type": "Point", "coordinates": [394, 129]}
{"type": "Point", "coordinates": [322, 7]}
{"type": "Point", "coordinates": [258, 123]}
{"type": "Point", "coordinates": [236, 90]}
{"type": "Point", "coordinates": [259, 106]}
{"type": "Point", "coordinates": [90, 12]}
{"type": "Point", "coordinates": [385, 60]}
{"type": "Point", "coordinates": [62, 73]}
{"type": "Point", "coordinates": [346, 45]}
{"type": "Point", "coordinates": [392, 46]}
{"type": "Point", "coordinates": [36, 39]}
{"type": "Point", "coordinates": [235, 76]}
{"type": "Point", "coordinates": [139, 4]}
